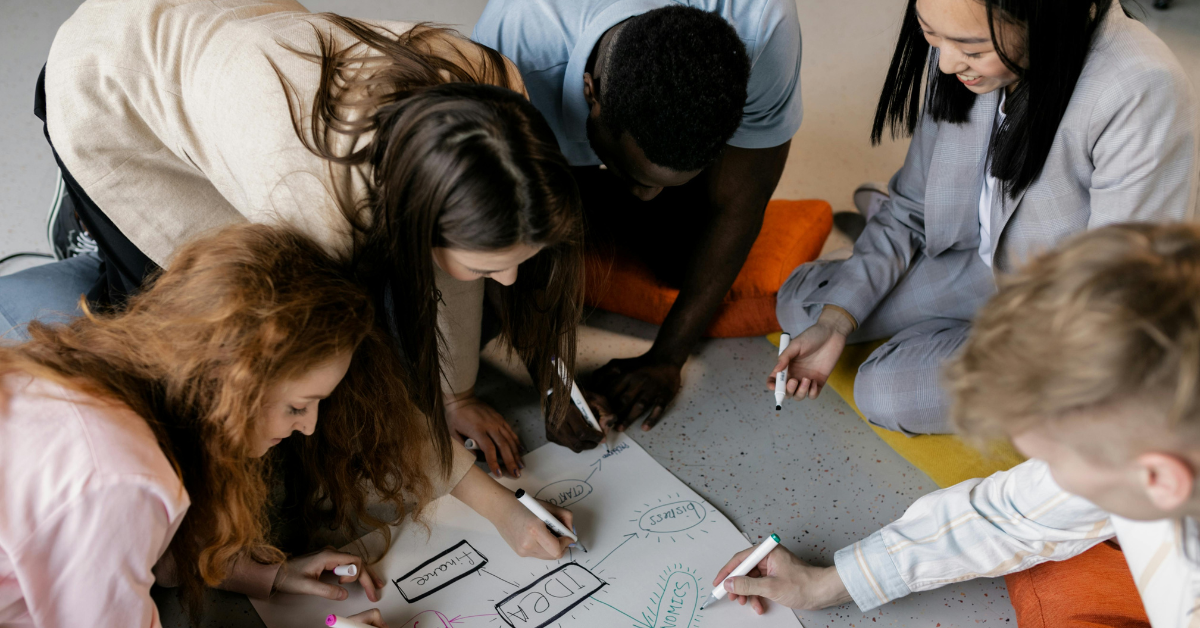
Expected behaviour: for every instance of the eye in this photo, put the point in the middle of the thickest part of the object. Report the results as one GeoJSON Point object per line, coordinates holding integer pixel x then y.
{"type": "Point", "coordinates": [294, 411]}
{"type": "Point", "coordinates": [973, 55]}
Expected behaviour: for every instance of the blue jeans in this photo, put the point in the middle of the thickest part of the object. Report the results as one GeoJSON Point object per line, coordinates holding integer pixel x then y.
{"type": "Point", "coordinates": [48, 293]}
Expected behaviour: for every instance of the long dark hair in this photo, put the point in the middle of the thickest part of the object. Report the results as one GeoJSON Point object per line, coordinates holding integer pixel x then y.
{"type": "Point", "coordinates": [451, 160]}
{"type": "Point", "coordinates": [1058, 37]}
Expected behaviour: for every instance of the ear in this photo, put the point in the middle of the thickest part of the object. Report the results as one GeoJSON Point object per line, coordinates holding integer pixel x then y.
{"type": "Point", "coordinates": [590, 96]}
{"type": "Point", "coordinates": [1167, 479]}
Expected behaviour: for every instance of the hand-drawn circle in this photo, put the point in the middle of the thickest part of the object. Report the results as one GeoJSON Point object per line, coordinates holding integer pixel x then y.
{"type": "Point", "coordinates": [678, 601]}
{"type": "Point", "coordinates": [563, 493]}
{"type": "Point", "coordinates": [673, 517]}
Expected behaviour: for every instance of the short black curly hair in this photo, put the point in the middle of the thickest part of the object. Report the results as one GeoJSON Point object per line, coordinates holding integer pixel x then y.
{"type": "Point", "coordinates": [676, 82]}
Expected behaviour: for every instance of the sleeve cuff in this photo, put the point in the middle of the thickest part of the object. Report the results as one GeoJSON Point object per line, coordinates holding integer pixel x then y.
{"type": "Point", "coordinates": [251, 578]}
{"type": "Point", "coordinates": [869, 574]}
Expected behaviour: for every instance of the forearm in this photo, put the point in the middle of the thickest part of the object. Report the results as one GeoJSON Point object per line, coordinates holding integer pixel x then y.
{"type": "Point", "coordinates": [739, 186]}
{"type": "Point", "coordinates": [721, 253]}
{"type": "Point", "coordinates": [482, 494]}
{"type": "Point", "coordinates": [979, 528]}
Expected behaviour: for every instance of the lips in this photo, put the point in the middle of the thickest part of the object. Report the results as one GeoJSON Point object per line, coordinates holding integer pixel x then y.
{"type": "Point", "coordinates": [969, 82]}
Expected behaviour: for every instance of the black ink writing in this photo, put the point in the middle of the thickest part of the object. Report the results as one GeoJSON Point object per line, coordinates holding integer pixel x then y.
{"type": "Point", "coordinates": [440, 572]}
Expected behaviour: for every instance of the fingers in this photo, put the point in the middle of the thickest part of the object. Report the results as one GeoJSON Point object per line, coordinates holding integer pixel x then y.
{"type": "Point", "coordinates": [371, 618]}
{"type": "Point", "coordinates": [552, 547]}
{"type": "Point", "coordinates": [367, 581]}
{"type": "Point", "coordinates": [747, 586]}
{"type": "Point", "coordinates": [508, 451]}
{"type": "Point", "coordinates": [489, 453]}
{"type": "Point", "coordinates": [655, 415]}
{"type": "Point", "coordinates": [562, 514]}
{"type": "Point", "coordinates": [312, 586]}
{"type": "Point", "coordinates": [731, 565]}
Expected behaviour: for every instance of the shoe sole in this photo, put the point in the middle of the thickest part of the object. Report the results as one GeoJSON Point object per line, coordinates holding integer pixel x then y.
{"type": "Point", "coordinates": [52, 216]}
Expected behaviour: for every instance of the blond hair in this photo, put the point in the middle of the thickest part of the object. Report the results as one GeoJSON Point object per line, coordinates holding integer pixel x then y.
{"type": "Point", "coordinates": [1111, 316]}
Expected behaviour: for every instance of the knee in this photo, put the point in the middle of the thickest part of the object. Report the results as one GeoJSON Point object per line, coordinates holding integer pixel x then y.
{"type": "Point", "coordinates": [894, 401]}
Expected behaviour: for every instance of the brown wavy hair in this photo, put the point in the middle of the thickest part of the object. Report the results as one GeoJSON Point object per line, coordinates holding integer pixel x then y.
{"type": "Point", "coordinates": [1112, 315]}
{"type": "Point", "coordinates": [429, 148]}
{"type": "Point", "coordinates": [196, 354]}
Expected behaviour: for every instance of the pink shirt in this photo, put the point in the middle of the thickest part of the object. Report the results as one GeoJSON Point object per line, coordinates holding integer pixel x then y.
{"type": "Point", "coordinates": [88, 504]}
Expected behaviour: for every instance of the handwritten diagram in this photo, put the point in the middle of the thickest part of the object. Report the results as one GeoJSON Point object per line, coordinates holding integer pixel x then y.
{"type": "Point", "coordinates": [653, 547]}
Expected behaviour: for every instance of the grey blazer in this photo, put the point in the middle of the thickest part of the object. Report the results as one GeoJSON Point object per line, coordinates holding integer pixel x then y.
{"type": "Point", "coordinates": [1126, 150]}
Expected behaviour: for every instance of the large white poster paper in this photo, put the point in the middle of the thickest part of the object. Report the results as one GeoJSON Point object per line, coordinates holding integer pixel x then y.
{"type": "Point", "coordinates": [653, 548]}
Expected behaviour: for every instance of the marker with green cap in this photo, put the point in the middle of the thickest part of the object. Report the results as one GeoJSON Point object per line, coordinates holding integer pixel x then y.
{"type": "Point", "coordinates": [751, 562]}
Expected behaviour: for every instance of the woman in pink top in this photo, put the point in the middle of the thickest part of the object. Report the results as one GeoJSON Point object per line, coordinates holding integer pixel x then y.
{"type": "Point", "coordinates": [116, 426]}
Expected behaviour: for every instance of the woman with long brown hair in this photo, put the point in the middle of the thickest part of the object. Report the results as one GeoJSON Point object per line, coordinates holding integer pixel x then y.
{"type": "Point", "coordinates": [404, 148]}
{"type": "Point", "coordinates": [115, 426]}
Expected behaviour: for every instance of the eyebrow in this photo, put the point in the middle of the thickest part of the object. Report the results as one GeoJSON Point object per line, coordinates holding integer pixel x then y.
{"type": "Point", "coordinates": [482, 272]}
{"type": "Point", "coordinates": [961, 40]}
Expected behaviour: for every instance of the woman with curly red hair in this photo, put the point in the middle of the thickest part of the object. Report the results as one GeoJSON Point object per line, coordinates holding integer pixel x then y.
{"type": "Point", "coordinates": [116, 426]}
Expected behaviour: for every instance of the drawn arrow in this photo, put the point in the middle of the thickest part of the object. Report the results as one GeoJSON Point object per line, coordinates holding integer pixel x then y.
{"type": "Point", "coordinates": [511, 584]}
{"type": "Point", "coordinates": [632, 535]}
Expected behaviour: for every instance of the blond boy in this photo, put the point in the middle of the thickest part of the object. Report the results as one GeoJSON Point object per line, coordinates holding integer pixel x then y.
{"type": "Point", "coordinates": [1088, 360]}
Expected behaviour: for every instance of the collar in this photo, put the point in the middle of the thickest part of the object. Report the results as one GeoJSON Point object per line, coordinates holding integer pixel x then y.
{"type": "Point", "coordinates": [574, 107]}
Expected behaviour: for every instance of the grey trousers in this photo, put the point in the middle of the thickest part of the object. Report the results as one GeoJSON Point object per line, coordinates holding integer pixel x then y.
{"type": "Point", "coordinates": [926, 318]}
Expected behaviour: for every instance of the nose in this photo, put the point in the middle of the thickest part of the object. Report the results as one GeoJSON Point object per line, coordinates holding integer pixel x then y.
{"type": "Point", "coordinates": [950, 62]}
{"type": "Point", "coordinates": [307, 427]}
{"type": "Point", "coordinates": [506, 278]}
{"type": "Point", "coordinates": [644, 193]}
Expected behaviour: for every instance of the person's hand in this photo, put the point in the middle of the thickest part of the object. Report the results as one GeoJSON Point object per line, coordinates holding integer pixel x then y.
{"type": "Point", "coordinates": [574, 431]}
{"type": "Point", "coordinates": [783, 578]}
{"type": "Point", "coordinates": [527, 535]}
{"type": "Point", "coordinates": [371, 618]}
{"type": "Point", "coordinates": [635, 386]}
{"type": "Point", "coordinates": [811, 356]}
{"type": "Point", "coordinates": [469, 417]}
{"type": "Point", "coordinates": [301, 575]}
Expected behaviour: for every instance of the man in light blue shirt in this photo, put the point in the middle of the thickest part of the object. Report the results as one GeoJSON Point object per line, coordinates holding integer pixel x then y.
{"type": "Point", "coordinates": [677, 116]}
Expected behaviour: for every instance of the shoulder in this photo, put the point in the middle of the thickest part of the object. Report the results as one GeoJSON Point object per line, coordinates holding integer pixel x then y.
{"type": "Point", "coordinates": [57, 445]}
{"type": "Point", "coordinates": [535, 34]}
{"type": "Point", "coordinates": [1130, 64]}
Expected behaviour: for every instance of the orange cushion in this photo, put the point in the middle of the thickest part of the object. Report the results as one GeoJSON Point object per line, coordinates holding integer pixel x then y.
{"type": "Point", "coordinates": [793, 233]}
{"type": "Point", "coordinates": [1092, 590]}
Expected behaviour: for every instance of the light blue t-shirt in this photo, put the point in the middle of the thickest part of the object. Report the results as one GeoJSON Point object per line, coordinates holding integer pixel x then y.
{"type": "Point", "coordinates": [550, 41]}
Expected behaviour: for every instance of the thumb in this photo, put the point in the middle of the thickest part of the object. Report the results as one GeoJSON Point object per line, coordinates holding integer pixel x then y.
{"type": "Point", "coordinates": [744, 585]}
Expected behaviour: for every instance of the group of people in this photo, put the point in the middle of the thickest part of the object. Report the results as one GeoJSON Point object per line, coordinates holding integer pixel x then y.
{"type": "Point", "coordinates": [268, 216]}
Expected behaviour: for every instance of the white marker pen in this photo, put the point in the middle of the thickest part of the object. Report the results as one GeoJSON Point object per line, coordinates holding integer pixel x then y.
{"type": "Point", "coordinates": [471, 445]}
{"type": "Point", "coordinates": [540, 512]}
{"type": "Point", "coordinates": [751, 562]}
{"type": "Point", "coordinates": [577, 396]}
{"type": "Point", "coordinates": [333, 621]}
{"type": "Point", "coordinates": [782, 376]}
{"type": "Point", "coordinates": [346, 570]}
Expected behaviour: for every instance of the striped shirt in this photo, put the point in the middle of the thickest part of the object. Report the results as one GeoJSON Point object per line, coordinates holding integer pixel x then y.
{"type": "Point", "coordinates": [1012, 521]}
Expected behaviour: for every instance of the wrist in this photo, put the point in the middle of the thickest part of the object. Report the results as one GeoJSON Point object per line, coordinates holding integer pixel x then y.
{"type": "Point", "coordinates": [453, 399]}
{"type": "Point", "coordinates": [830, 588]}
{"type": "Point", "coordinates": [837, 319]}
{"type": "Point", "coordinates": [482, 494]}
{"type": "Point", "coordinates": [667, 355]}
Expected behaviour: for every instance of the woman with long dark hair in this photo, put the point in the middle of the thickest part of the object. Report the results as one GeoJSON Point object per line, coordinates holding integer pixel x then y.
{"type": "Point", "coordinates": [1041, 118]}
{"type": "Point", "coordinates": [135, 447]}
{"type": "Point", "coordinates": [404, 147]}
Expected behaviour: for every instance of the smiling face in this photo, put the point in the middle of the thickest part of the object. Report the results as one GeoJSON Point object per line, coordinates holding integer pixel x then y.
{"type": "Point", "coordinates": [959, 30]}
{"type": "Point", "coordinates": [500, 265]}
{"type": "Point", "coordinates": [291, 405]}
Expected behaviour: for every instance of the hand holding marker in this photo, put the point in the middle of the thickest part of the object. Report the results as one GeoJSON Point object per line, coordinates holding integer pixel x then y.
{"type": "Point", "coordinates": [744, 568]}
{"type": "Point", "coordinates": [577, 396]}
{"type": "Point", "coordinates": [782, 376]}
{"type": "Point", "coordinates": [540, 512]}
